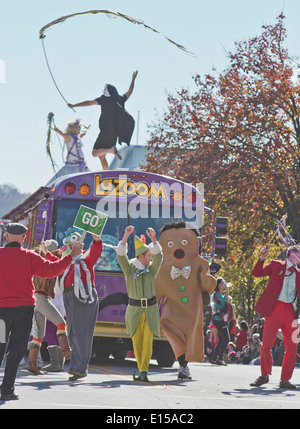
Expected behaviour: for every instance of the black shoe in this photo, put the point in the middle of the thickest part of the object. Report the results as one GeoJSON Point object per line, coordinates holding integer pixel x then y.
{"type": "Point", "coordinates": [76, 374]}
{"type": "Point", "coordinates": [263, 379]}
{"type": "Point", "coordinates": [9, 397]}
{"type": "Point", "coordinates": [287, 385]}
{"type": "Point", "coordinates": [117, 154]}
{"type": "Point", "coordinates": [141, 377]}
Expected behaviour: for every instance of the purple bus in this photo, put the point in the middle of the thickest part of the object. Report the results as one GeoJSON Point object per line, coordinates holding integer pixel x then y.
{"type": "Point", "coordinates": [128, 198]}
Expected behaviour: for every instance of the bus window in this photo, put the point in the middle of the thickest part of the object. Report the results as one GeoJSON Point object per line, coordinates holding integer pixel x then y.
{"type": "Point", "coordinates": [66, 211]}
{"type": "Point", "coordinates": [141, 216]}
{"type": "Point", "coordinates": [112, 233]}
{"type": "Point", "coordinates": [157, 223]}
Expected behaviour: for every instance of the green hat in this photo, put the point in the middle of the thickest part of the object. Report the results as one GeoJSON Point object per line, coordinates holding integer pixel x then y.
{"type": "Point", "coordinates": [140, 246]}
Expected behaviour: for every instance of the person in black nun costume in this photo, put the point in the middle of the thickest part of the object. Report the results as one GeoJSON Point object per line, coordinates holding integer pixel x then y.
{"type": "Point", "coordinates": [115, 123]}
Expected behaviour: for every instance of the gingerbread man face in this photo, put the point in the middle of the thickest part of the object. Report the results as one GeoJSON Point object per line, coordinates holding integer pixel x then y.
{"type": "Point", "coordinates": [183, 265]}
{"type": "Point", "coordinates": [181, 247]}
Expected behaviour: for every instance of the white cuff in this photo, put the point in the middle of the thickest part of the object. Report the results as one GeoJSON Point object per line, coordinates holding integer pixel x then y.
{"type": "Point", "coordinates": [121, 249]}
{"type": "Point", "coordinates": [155, 250]}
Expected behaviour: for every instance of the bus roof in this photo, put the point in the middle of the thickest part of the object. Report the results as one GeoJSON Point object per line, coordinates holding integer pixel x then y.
{"type": "Point", "coordinates": [112, 173]}
{"type": "Point", "coordinates": [89, 185]}
{"type": "Point", "coordinates": [29, 204]}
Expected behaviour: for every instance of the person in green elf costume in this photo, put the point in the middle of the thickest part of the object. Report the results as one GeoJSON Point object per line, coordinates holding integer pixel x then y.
{"type": "Point", "coordinates": [142, 314]}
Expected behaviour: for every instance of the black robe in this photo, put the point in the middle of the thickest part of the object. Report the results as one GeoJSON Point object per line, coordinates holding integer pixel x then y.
{"type": "Point", "coordinates": [115, 123]}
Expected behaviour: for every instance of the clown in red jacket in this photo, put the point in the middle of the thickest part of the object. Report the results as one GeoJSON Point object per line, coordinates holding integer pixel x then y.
{"type": "Point", "coordinates": [279, 305]}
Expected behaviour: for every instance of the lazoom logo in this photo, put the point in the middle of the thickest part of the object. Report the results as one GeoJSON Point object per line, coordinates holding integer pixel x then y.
{"type": "Point", "coordinates": [122, 187]}
{"type": "Point", "coordinates": [175, 200]}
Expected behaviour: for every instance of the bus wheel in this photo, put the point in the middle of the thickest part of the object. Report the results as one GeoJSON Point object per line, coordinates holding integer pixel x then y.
{"type": "Point", "coordinates": [101, 353]}
{"type": "Point", "coordinates": [119, 354]}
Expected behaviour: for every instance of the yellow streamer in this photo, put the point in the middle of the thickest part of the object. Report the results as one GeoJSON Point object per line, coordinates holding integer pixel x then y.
{"type": "Point", "coordinates": [108, 13]}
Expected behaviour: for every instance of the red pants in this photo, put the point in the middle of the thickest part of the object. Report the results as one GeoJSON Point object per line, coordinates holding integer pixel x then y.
{"type": "Point", "coordinates": [282, 317]}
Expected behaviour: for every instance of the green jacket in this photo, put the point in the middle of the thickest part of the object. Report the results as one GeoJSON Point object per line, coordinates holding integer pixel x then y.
{"type": "Point", "coordinates": [141, 287]}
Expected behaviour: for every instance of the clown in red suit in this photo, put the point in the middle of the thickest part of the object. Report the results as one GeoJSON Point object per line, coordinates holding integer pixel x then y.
{"type": "Point", "coordinates": [278, 304]}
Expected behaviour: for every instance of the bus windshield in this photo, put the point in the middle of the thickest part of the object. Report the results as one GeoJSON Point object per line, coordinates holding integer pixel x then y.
{"type": "Point", "coordinates": [113, 232]}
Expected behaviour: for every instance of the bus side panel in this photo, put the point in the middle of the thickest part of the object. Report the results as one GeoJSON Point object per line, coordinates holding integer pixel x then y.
{"type": "Point", "coordinates": [107, 284]}
{"type": "Point", "coordinates": [39, 224]}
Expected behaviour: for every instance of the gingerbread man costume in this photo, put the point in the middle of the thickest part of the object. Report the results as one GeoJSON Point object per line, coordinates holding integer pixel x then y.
{"type": "Point", "coordinates": [185, 282]}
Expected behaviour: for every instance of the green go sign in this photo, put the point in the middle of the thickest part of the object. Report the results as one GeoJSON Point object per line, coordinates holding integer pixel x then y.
{"type": "Point", "coordinates": [90, 220]}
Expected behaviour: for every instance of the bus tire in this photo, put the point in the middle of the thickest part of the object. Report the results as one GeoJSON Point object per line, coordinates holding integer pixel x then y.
{"type": "Point", "coordinates": [119, 354]}
{"type": "Point", "coordinates": [102, 353]}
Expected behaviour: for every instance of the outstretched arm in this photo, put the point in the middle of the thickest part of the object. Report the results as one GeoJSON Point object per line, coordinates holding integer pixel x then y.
{"type": "Point", "coordinates": [96, 249]}
{"type": "Point", "coordinates": [152, 235]}
{"type": "Point", "coordinates": [121, 251]}
{"type": "Point", "coordinates": [66, 137]}
{"type": "Point", "coordinates": [156, 250]}
{"type": "Point", "coordinates": [129, 230]}
{"type": "Point", "coordinates": [83, 104]}
{"type": "Point", "coordinates": [260, 270]}
{"type": "Point", "coordinates": [129, 92]}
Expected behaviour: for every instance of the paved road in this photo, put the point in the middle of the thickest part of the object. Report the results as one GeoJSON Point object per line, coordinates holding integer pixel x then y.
{"type": "Point", "coordinates": [109, 386]}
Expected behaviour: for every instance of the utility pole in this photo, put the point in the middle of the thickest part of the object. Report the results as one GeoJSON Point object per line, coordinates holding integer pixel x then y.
{"type": "Point", "coordinates": [138, 128]}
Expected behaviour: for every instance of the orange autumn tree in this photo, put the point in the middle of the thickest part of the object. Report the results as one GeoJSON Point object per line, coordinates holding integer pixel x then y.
{"type": "Point", "coordinates": [238, 132]}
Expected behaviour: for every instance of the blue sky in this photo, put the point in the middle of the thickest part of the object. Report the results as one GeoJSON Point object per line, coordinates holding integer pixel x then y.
{"type": "Point", "coordinates": [88, 51]}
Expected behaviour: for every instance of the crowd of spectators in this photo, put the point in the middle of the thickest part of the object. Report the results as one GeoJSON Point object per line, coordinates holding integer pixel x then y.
{"type": "Point", "coordinates": [244, 341]}
{"type": "Point", "coordinates": [244, 345]}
